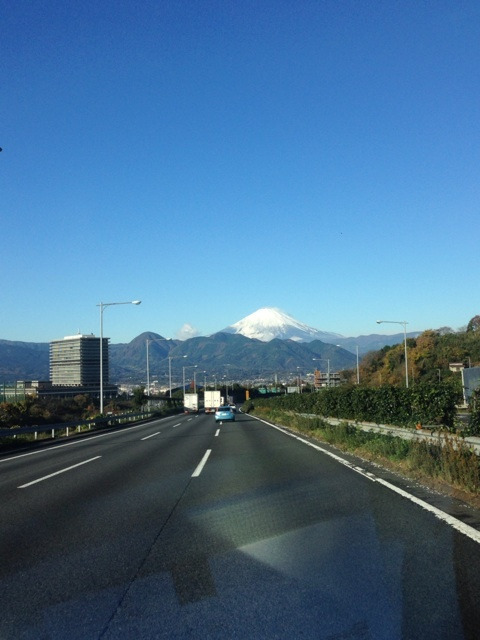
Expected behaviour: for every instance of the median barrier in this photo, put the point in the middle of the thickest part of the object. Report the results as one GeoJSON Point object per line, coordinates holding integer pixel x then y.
{"type": "Point", "coordinates": [77, 425]}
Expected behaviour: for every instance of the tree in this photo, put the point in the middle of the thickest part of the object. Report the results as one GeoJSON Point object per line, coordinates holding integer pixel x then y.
{"type": "Point", "coordinates": [139, 397]}
{"type": "Point", "coordinates": [474, 324]}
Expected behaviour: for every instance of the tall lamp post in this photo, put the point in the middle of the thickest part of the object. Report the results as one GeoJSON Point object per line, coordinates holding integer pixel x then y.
{"type": "Point", "coordinates": [170, 358]}
{"type": "Point", "coordinates": [102, 306]}
{"type": "Point", "coordinates": [148, 365]}
{"type": "Point", "coordinates": [358, 370]}
{"type": "Point", "coordinates": [195, 379]}
{"type": "Point", "coordinates": [404, 323]}
{"type": "Point", "coordinates": [188, 365]}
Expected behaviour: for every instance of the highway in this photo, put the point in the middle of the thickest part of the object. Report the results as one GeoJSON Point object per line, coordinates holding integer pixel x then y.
{"type": "Point", "coordinates": [184, 528]}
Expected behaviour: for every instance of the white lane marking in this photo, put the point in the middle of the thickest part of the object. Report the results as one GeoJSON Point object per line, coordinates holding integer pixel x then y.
{"type": "Point", "coordinates": [74, 466]}
{"type": "Point", "coordinates": [203, 461]}
{"type": "Point", "coordinates": [466, 529]}
{"type": "Point", "coordinates": [82, 441]}
{"type": "Point", "coordinates": [218, 431]}
{"type": "Point", "coordinates": [189, 419]}
{"type": "Point", "coordinates": [151, 436]}
{"type": "Point", "coordinates": [176, 425]}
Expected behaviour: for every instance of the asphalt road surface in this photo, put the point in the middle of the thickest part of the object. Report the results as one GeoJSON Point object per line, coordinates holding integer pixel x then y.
{"type": "Point", "coordinates": [184, 528]}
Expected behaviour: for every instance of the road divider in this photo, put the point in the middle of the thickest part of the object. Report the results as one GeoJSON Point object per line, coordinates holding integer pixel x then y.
{"type": "Point", "coordinates": [203, 461]}
{"type": "Point", "coordinates": [51, 475]}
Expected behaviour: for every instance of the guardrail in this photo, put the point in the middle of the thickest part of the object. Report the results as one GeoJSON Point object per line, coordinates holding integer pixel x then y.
{"type": "Point", "coordinates": [432, 433]}
{"type": "Point", "coordinates": [77, 425]}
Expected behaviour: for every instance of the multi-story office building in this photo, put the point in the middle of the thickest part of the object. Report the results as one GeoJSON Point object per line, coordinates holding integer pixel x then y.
{"type": "Point", "coordinates": [75, 361]}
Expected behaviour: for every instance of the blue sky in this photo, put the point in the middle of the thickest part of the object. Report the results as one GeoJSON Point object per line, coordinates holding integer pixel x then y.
{"type": "Point", "coordinates": [211, 158]}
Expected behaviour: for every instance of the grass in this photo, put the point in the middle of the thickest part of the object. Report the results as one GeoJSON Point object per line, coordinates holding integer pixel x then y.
{"type": "Point", "coordinates": [454, 464]}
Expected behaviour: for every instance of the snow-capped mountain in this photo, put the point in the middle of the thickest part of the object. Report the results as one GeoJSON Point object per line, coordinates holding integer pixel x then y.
{"type": "Point", "coordinates": [268, 323]}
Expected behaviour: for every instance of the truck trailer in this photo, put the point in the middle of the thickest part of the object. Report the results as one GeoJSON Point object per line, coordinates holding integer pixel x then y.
{"type": "Point", "coordinates": [212, 401]}
{"type": "Point", "coordinates": [190, 404]}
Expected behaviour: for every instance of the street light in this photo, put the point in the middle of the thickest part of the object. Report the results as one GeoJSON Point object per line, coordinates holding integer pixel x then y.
{"type": "Point", "coordinates": [404, 323]}
{"type": "Point", "coordinates": [358, 370]}
{"type": "Point", "coordinates": [148, 366]}
{"type": "Point", "coordinates": [328, 369]}
{"type": "Point", "coordinates": [170, 358]}
{"type": "Point", "coordinates": [187, 365]}
{"type": "Point", "coordinates": [195, 379]}
{"type": "Point", "coordinates": [102, 306]}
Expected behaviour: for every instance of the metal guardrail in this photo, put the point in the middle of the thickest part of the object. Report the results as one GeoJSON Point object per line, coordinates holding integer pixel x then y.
{"type": "Point", "coordinates": [432, 433]}
{"type": "Point", "coordinates": [95, 423]}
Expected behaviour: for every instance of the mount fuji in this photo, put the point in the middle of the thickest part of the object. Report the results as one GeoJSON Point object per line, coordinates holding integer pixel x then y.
{"type": "Point", "coordinates": [269, 322]}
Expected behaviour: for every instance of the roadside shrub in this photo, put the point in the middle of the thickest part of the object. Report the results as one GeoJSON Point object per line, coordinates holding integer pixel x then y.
{"type": "Point", "coordinates": [425, 403]}
{"type": "Point", "coordinates": [474, 423]}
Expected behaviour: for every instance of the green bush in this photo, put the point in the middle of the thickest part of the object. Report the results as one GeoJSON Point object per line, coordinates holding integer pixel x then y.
{"type": "Point", "coordinates": [424, 403]}
{"type": "Point", "coordinates": [474, 424]}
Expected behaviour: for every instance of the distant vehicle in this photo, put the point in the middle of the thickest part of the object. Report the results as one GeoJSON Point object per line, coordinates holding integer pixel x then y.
{"type": "Point", "coordinates": [212, 400]}
{"type": "Point", "coordinates": [233, 407]}
{"type": "Point", "coordinates": [224, 414]}
{"type": "Point", "coordinates": [191, 403]}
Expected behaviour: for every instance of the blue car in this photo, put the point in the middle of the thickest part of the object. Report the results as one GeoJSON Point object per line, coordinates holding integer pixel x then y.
{"type": "Point", "coordinates": [223, 414]}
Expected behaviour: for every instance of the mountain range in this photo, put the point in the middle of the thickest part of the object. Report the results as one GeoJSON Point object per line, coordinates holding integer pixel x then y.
{"type": "Point", "coordinates": [269, 323]}
{"type": "Point", "coordinates": [265, 342]}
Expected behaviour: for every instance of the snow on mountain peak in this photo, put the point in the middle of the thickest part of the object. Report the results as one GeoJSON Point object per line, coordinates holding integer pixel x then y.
{"type": "Point", "coordinates": [268, 323]}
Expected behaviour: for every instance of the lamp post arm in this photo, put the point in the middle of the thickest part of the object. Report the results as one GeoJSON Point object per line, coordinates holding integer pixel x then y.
{"type": "Point", "coordinates": [102, 306]}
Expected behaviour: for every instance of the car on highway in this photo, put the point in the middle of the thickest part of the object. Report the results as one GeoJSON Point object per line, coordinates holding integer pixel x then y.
{"type": "Point", "coordinates": [224, 414]}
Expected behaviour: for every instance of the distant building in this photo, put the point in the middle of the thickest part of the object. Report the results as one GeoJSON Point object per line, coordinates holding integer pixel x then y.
{"type": "Point", "coordinates": [75, 366]}
{"type": "Point", "coordinates": [74, 370]}
{"type": "Point", "coordinates": [325, 379]}
{"type": "Point", "coordinates": [456, 366]}
{"type": "Point", "coordinates": [35, 387]}
{"type": "Point", "coordinates": [75, 361]}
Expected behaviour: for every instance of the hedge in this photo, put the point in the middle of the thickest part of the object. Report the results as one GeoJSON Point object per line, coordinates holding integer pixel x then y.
{"type": "Point", "coordinates": [421, 403]}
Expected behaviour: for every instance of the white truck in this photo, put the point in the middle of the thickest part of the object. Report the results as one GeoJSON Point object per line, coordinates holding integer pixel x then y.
{"type": "Point", "coordinates": [190, 404]}
{"type": "Point", "coordinates": [212, 401]}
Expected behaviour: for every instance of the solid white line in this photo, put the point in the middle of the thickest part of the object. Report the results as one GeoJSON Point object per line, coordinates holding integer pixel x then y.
{"type": "Point", "coordinates": [151, 436]}
{"type": "Point", "coordinates": [203, 461]}
{"type": "Point", "coordinates": [466, 529]}
{"type": "Point", "coordinates": [218, 431]}
{"type": "Point", "coordinates": [29, 484]}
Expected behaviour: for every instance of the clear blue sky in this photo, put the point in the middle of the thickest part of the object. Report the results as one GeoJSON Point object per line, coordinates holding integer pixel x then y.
{"type": "Point", "coordinates": [211, 158]}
